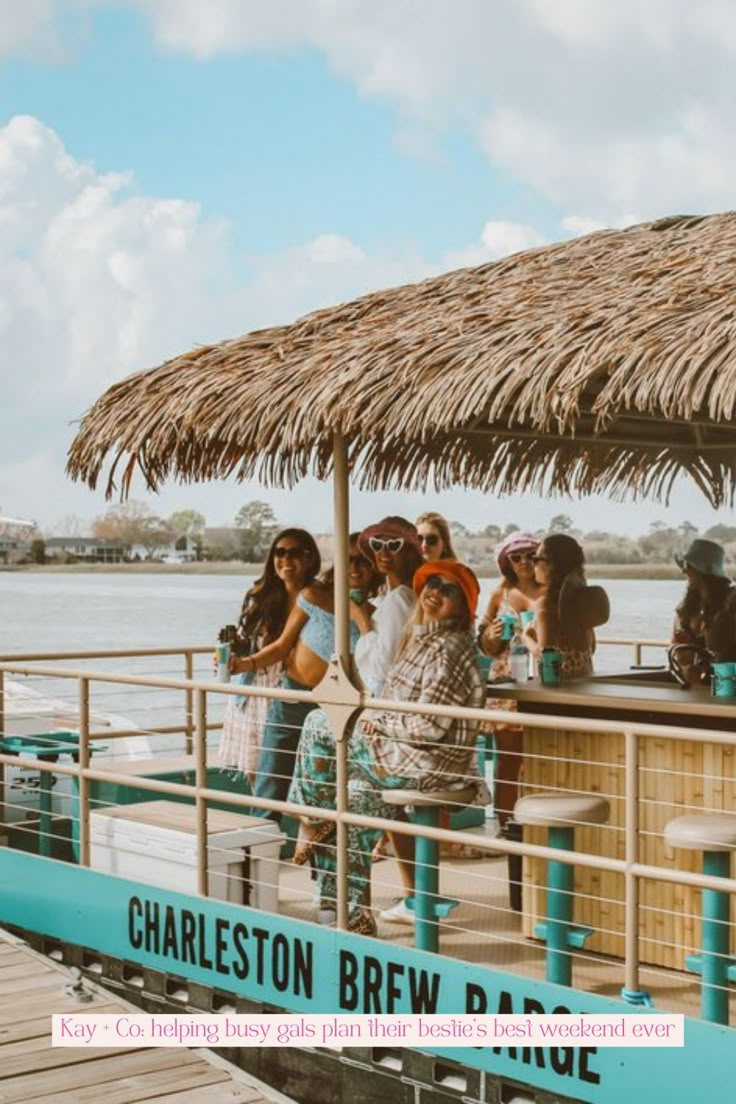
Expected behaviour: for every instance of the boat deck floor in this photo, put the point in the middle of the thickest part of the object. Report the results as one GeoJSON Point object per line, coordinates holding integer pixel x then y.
{"type": "Point", "coordinates": [483, 930]}
{"type": "Point", "coordinates": [33, 987]}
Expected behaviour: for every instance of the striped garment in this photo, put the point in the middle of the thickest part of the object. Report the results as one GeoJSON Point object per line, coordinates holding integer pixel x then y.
{"type": "Point", "coordinates": [438, 667]}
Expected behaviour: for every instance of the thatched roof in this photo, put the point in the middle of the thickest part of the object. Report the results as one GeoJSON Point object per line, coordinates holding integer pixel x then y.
{"type": "Point", "coordinates": [603, 363]}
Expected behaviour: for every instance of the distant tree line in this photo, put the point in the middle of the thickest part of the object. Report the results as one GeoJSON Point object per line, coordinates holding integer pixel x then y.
{"type": "Point", "coordinates": [255, 524]}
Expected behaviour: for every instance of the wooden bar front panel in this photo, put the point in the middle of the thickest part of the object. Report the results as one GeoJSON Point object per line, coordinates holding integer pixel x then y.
{"type": "Point", "coordinates": [676, 777]}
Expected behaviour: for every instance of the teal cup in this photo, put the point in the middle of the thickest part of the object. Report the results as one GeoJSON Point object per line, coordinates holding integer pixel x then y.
{"type": "Point", "coordinates": [723, 682]}
{"type": "Point", "coordinates": [508, 621]}
{"type": "Point", "coordinates": [527, 618]}
{"type": "Point", "coordinates": [485, 663]}
{"type": "Point", "coordinates": [550, 667]}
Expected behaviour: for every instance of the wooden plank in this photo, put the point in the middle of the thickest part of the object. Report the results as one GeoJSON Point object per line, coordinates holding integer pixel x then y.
{"type": "Point", "coordinates": [22, 968]}
{"type": "Point", "coordinates": [39, 1027]}
{"type": "Point", "coordinates": [34, 1055]}
{"type": "Point", "coordinates": [46, 980]}
{"type": "Point", "coordinates": [142, 1086]}
{"type": "Point", "coordinates": [36, 1003]}
{"type": "Point", "coordinates": [215, 1094]}
{"type": "Point", "coordinates": [98, 1072]}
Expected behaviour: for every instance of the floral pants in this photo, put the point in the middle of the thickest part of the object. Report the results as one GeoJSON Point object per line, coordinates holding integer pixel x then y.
{"type": "Point", "coordinates": [314, 784]}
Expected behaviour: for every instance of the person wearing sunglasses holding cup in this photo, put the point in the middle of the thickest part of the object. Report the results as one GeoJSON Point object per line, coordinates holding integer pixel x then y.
{"type": "Point", "coordinates": [435, 540]}
{"type": "Point", "coordinates": [305, 647]}
{"type": "Point", "coordinates": [436, 664]}
{"type": "Point", "coordinates": [292, 563]}
{"type": "Point", "coordinates": [517, 593]}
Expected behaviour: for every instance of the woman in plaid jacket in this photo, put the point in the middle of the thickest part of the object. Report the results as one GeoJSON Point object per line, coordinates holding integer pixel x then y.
{"type": "Point", "coordinates": [392, 750]}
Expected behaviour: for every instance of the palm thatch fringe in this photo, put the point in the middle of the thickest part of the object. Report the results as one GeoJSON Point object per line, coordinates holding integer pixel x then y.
{"type": "Point", "coordinates": [606, 363]}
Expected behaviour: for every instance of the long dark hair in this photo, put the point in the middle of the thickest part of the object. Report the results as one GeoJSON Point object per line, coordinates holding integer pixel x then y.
{"type": "Point", "coordinates": [564, 556]}
{"type": "Point", "coordinates": [705, 603]}
{"type": "Point", "coordinates": [266, 604]}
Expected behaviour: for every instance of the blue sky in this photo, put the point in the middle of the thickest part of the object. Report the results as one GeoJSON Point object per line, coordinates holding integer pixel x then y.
{"type": "Point", "coordinates": [175, 172]}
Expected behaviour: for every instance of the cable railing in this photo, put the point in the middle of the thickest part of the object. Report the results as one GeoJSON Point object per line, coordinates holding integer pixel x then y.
{"type": "Point", "coordinates": [492, 932]}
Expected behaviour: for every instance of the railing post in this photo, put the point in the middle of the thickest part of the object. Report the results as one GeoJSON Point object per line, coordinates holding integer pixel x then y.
{"type": "Point", "coordinates": [637, 654]}
{"type": "Point", "coordinates": [631, 991]}
{"type": "Point", "coordinates": [341, 496]}
{"type": "Point", "coordinates": [188, 704]}
{"type": "Point", "coordinates": [84, 783]}
{"type": "Point", "coordinates": [200, 748]}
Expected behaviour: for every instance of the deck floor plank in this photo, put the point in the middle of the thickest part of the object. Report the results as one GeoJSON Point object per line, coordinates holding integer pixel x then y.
{"type": "Point", "coordinates": [142, 1087]}
{"type": "Point", "coordinates": [214, 1094]}
{"type": "Point", "coordinates": [38, 1028]}
{"type": "Point", "coordinates": [98, 1073]}
{"type": "Point", "coordinates": [34, 1055]}
{"type": "Point", "coordinates": [32, 1071]}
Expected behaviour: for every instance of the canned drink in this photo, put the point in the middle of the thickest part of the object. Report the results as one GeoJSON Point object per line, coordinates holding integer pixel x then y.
{"type": "Point", "coordinates": [223, 662]}
{"type": "Point", "coordinates": [508, 621]}
{"type": "Point", "coordinates": [550, 667]}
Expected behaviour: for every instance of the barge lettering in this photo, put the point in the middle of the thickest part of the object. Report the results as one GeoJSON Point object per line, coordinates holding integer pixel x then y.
{"type": "Point", "coordinates": [230, 949]}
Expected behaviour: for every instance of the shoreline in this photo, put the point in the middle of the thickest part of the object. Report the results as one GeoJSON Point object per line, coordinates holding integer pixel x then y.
{"type": "Point", "coordinates": [651, 571]}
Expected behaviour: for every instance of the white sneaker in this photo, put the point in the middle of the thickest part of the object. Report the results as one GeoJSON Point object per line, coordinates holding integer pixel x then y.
{"type": "Point", "coordinates": [398, 913]}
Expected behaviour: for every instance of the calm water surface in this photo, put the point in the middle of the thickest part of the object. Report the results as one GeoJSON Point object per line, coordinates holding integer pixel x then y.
{"type": "Point", "coordinates": [84, 612]}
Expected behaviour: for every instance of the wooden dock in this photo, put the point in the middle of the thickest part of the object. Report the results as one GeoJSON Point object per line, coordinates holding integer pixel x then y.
{"type": "Point", "coordinates": [33, 987]}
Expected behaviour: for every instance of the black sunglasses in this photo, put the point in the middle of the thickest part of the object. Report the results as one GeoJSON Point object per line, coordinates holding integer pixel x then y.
{"type": "Point", "coordinates": [390, 544]}
{"type": "Point", "coordinates": [288, 553]}
{"type": "Point", "coordinates": [359, 561]}
{"type": "Point", "coordinates": [447, 590]}
{"type": "Point", "coordinates": [430, 540]}
{"type": "Point", "coordinates": [520, 557]}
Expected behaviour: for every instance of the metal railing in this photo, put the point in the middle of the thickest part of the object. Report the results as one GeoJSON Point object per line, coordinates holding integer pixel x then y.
{"type": "Point", "coordinates": [341, 700]}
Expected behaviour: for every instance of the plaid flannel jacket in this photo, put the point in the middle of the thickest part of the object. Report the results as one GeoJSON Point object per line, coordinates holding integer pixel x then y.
{"type": "Point", "coordinates": [438, 667]}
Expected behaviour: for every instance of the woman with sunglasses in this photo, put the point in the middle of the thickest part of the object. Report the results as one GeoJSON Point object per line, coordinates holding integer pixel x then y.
{"type": "Point", "coordinates": [518, 591]}
{"type": "Point", "coordinates": [568, 609]}
{"type": "Point", "coordinates": [435, 541]}
{"type": "Point", "coordinates": [436, 664]}
{"type": "Point", "coordinates": [392, 546]}
{"type": "Point", "coordinates": [292, 563]}
{"type": "Point", "coordinates": [305, 647]}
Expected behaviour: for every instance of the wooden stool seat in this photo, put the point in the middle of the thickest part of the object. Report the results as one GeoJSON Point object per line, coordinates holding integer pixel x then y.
{"type": "Point", "coordinates": [428, 798]}
{"type": "Point", "coordinates": [561, 810]}
{"type": "Point", "coordinates": [715, 835]}
{"type": "Point", "coordinates": [702, 832]}
{"type": "Point", "coordinates": [561, 814]}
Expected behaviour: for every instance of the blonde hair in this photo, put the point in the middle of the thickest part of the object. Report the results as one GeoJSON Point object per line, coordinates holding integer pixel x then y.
{"type": "Point", "coordinates": [440, 523]}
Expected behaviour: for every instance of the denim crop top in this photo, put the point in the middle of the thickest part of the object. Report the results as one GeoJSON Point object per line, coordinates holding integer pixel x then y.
{"type": "Point", "coordinates": [319, 631]}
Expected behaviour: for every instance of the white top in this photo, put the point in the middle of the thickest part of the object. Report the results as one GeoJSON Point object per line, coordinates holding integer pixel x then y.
{"type": "Point", "coordinates": [376, 650]}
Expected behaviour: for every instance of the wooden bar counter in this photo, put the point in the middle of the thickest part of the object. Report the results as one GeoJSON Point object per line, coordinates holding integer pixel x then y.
{"type": "Point", "coordinates": [676, 777]}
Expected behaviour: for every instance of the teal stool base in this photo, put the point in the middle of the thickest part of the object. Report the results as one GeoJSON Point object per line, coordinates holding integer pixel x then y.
{"type": "Point", "coordinates": [440, 907]}
{"type": "Point", "coordinates": [639, 997]}
{"type": "Point", "coordinates": [575, 936]}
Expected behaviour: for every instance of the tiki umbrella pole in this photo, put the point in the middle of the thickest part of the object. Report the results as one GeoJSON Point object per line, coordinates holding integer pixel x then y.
{"type": "Point", "coordinates": [341, 503]}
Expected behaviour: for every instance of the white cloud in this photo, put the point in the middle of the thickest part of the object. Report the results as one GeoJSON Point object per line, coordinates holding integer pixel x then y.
{"type": "Point", "coordinates": [97, 281]}
{"type": "Point", "coordinates": [42, 30]}
{"type": "Point", "coordinates": [605, 107]}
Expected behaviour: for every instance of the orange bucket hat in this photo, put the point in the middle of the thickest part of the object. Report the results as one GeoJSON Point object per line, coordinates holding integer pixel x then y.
{"type": "Point", "coordinates": [451, 569]}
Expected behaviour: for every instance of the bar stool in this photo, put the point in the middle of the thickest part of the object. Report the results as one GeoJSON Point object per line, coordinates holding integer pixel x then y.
{"type": "Point", "coordinates": [426, 904]}
{"type": "Point", "coordinates": [561, 813]}
{"type": "Point", "coordinates": [715, 835]}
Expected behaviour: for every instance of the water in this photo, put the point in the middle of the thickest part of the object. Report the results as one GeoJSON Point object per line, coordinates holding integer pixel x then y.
{"type": "Point", "coordinates": [40, 612]}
